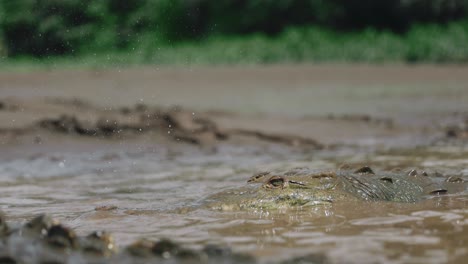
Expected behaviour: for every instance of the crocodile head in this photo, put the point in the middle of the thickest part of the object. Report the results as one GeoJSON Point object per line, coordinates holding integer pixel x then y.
{"type": "Point", "coordinates": [304, 187]}
{"type": "Point", "coordinates": [293, 188]}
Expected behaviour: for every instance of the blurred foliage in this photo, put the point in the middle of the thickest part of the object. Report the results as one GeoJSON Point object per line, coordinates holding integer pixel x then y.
{"type": "Point", "coordinates": [422, 43]}
{"type": "Point", "coordinates": [87, 27]}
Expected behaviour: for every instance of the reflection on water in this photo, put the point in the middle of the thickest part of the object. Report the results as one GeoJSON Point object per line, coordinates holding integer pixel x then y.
{"type": "Point", "coordinates": [159, 192]}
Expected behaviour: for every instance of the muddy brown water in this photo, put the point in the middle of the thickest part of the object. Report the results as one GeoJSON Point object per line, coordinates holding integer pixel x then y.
{"type": "Point", "coordinates": [153, 187]}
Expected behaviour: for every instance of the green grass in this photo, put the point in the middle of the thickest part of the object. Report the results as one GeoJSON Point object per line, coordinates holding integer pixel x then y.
{"type": "Point", "coordinates": [422, 44]}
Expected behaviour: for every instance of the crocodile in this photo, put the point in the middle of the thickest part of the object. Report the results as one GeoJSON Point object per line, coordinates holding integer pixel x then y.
{"type": "Point", "coordinates": [305, 187]}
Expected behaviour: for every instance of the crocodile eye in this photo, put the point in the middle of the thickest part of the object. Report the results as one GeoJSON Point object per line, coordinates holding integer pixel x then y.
{"type": "Point", "coordinates": [364, 170]}
{"type": "Point", "coordinates": [276, 182]}
{"type": "Point", "coordinates": [413, 173]}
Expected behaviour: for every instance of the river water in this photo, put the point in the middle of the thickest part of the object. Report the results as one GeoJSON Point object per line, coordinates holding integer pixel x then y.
{"type": "Point", "coordinates": [137, 189]}
{"type": "Point", "coordinates": [157, 192]}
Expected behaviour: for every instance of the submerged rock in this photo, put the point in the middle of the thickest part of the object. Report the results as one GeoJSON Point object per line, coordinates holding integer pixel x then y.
{"type": "Point", "coordinates": [45, 240]}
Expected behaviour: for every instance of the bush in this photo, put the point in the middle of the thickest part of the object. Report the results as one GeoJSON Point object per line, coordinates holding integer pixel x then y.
{"type": "Point", "coordinates": [40, 27]}
{"type": "Point", "coordinates": [207, 17]}
{"type": "Point", "coordinates": [56, 27]}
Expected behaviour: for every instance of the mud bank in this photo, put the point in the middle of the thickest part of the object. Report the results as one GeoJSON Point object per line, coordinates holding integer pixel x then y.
{"type": "Point", "coordinates": [78, 119]}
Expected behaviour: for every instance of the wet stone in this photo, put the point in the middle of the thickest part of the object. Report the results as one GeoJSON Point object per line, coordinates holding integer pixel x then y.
{"type": "Point", "coordinates": [216, 251]}
{"type": "Point", "coordinates": [98, 243]}
{"type": "Point", "coordinates": [165, 248]}
{"type": "Point", "coordinates": [225, 255]}
{"type": "Point", "coordinates": [141, 248]}
{"type": "Point", "coordinates": [60, 244]}
{"type": "Point", "coordinates": [39, 225]}
{"type": "Point", "coordinates": [61, 237]}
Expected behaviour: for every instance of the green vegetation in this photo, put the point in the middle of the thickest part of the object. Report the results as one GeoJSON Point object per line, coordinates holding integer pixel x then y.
{"type": "Point", "coordinates": [116, 32]}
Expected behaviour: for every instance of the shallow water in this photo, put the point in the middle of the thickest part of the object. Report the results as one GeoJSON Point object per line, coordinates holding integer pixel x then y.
{"type": "Point", "coordinates": [158, 192]}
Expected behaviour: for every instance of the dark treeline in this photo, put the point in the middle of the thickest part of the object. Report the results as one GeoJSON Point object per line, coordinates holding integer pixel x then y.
{"type": "Point", "coordinates": [54, 27]}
